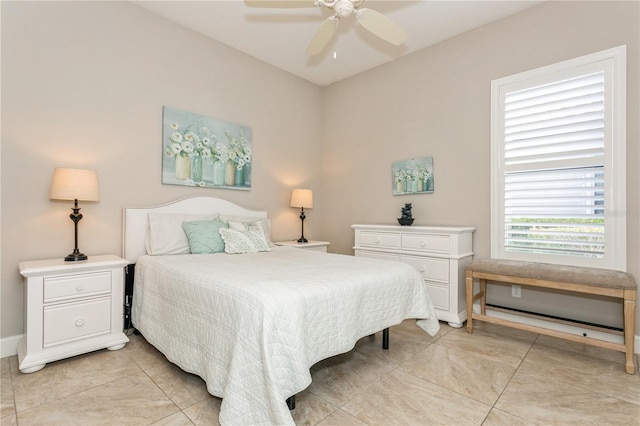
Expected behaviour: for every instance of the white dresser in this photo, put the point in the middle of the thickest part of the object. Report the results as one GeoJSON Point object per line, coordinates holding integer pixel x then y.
{"type": "Point", "coordinates": [71, 308]}
{"type": "Point", "coordinates": [440, 253]}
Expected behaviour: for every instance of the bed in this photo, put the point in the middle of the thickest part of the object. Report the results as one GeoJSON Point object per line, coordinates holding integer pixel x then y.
{"type": "Point", "coordinates": [252, 324]}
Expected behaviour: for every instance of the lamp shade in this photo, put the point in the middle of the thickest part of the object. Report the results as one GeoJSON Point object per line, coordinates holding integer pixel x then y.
{"type": "Point", "coordinates": [302, 198]}
{"type": "Point", "coordinates": [74, 184]}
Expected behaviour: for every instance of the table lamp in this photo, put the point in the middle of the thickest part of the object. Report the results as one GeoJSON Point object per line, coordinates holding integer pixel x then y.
{"type": "Point", "coordinates": [301, 198]}
{"type": "Point", "coordinates": [74, 184]}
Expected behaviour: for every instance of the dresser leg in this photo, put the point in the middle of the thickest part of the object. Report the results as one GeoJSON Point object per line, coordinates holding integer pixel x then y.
{"type": "Point", "coordinates": [116, 347]}
{"type": "Point", "coordinates": [32, 369]}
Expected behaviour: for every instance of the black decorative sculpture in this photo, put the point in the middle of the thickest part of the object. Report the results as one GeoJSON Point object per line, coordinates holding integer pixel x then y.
{"type": "Point", "coordinates": [407, 217]}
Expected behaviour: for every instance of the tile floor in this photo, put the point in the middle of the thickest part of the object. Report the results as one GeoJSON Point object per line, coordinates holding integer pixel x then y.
{"type": "Point", "coordinates": [495, 376]}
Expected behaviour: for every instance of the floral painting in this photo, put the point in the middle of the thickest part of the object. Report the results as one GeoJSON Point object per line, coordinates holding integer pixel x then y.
{"type": "Point", "coordinates": [204, 151]}
{"type": "Point", "coordinates": [412, 176]}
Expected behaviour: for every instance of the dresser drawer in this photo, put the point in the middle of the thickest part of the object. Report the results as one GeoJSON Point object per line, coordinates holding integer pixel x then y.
{"type": "Point", "coordinates": [439, 296]}
{"type": "Point", "coordinates": [387, 240]}
{"type": "Point", "coordinates": [432, 269]}
{"type": "Point", "coordinates": [77, 285]}
{"type": "Point", "coordinates": [428, 243]}
{"type": "Point", "coordinates": [377, 255]}
{"type": "Point", "coordinates": [72, 321]}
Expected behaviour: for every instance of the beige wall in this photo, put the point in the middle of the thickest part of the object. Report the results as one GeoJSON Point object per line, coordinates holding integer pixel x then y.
{"type": "Point", "coordinates": [83, 85]}
{"type": "Point", "coordinates": [436, 102]}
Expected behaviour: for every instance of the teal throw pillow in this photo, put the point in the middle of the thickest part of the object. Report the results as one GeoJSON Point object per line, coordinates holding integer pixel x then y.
{"type": "Point", "coordinates": [204, 236]}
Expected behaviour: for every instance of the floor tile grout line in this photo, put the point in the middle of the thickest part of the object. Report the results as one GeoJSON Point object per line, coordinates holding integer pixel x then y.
{"type": "Point", "coordinates": [515, 371]}
{"type": "Point", "coordinates": [65, 396]}
{"type": "Point", "coordinates": [584, 387]}
{"type": "Point", "coordinates": [13, 393]}
{"type": "Point", "coordinates": [163, 392]}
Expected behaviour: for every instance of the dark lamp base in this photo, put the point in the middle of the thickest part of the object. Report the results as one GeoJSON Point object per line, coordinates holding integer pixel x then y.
{"type": "Point", "coordinates": [73, 257]}
{"type": "Point", "coordinates": [303, 240]}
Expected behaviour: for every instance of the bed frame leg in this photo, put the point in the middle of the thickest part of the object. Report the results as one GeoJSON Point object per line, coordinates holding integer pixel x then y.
{"type": "Point", "coordinates": [291, 402]}
{"type": "Point", "coordinates": [385, 338]}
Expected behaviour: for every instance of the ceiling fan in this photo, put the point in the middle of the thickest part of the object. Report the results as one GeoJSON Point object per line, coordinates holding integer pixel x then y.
{"type": "Point", "coordinates": [372, 20]}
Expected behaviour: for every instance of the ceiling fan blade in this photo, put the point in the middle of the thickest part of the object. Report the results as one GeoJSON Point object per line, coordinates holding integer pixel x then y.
{"type": "Point", "coordinates": [279, 3]}
{"type": "Point", "coordinates": [381, 26]}
{"type": "Point", "coordinates": [323, 35]}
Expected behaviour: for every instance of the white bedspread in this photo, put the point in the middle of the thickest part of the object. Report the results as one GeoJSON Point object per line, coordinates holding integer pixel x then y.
{"type": "Point", "coordinates": [252, 325]}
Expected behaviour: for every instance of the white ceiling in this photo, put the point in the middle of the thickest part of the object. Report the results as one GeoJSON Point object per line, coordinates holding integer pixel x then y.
{"type": "Point", "coordinates": [280, 36]}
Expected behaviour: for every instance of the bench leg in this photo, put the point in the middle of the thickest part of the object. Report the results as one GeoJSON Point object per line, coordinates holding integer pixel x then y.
{"type": "Point", "coordinates": [483, 296]}
{"type": "Point", "coordinates": [469, 284]}
{"type": "Point", "coordinates": [629, 328]}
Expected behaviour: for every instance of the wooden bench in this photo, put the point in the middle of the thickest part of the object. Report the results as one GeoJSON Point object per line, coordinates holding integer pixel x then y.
{"type": "Point", "coordinates": [584, 280]}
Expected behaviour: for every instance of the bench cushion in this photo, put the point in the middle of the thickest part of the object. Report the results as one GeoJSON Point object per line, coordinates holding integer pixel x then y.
{"type": "Point", "coordinates": [551, 272]}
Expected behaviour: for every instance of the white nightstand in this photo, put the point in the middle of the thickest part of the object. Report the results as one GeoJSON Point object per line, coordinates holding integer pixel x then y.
{"type": "Point", "coordinates": [311, 245]}
{"type": "Point", "coordinates": [71, 308]}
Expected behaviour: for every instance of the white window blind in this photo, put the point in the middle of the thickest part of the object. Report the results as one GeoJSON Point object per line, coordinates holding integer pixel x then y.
{"type": "Point", "coordinates": [558, 163]}
{"type": "Point", "coordinates": [554, 168]}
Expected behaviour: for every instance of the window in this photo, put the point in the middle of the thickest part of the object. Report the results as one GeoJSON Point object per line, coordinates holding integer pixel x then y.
{"type": "Point", "coordinates": [558, 163]}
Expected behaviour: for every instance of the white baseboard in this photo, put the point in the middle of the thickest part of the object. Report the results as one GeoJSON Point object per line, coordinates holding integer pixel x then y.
{"type": "Point", "coordinates": [577, 330]}
{"type": "Point", "coordinates": [9, 345]}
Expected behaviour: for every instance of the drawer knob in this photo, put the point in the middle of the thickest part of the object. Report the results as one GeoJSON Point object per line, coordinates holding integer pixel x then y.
{"type": "Point", "coordinates": [422, 244]}
{"type": "Point", "coordinates": [421, 269]}
{"type": "Point", "coordinates": [377, 240]}
{"type": "Point", "coordinates": [79, 322]}
{"type": "Point", "coordinates": [79, 287]}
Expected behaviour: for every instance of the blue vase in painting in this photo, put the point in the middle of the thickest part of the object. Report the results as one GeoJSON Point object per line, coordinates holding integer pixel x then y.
{"type": "Point", "coordinates": [196, 168]}
{"type": "Point", "coordinates": [240, 176]}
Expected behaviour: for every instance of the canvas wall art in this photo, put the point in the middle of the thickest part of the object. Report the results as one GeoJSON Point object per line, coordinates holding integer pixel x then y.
{"type": "Point", "coordinates": [204, 151]}
{"type": "Point", "coordinates": [412, 176]}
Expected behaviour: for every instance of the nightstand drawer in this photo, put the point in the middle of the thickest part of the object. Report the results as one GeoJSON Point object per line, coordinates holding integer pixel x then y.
{"type": "Point", "coordinates": [71, 321]}
{"type": "Point", "coordinates": [78, 285]}
{"type": "Point", "coordinates": [426, 243]}
{"type": "Point", "coordinates": [380, 239]}
{"type": "Point", "coordinates": [432, 269]}
{"type": "Point", "coordinates": [439, 296]}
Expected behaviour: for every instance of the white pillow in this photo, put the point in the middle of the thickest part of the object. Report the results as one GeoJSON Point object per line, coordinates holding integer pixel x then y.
{"type": "Point", "coordinates": [264, 222]}
{"type": "Point", "coordinates": [240, 242]}
{"type": "Point", "coordinates": [165, 234]}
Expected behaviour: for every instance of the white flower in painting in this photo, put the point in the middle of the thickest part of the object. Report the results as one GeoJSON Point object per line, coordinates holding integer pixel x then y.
{"type": "Point", "coordinates": [176, 148]}
{"type": "Point", "coordinates": [175, 126]}
{"type": "Point", "coordinates": [199, 146]}
{"type": "Point", "coordinates": [192, 137]}
{"type": "Point", "coordinates": [241, 163]}
{"type": "Point", "coordinates": [206, 141]}
{"type": "Point", "coordinates": [204, 131]}
{"type": "Point", "coordinates": [206, 153]}
{"type": "Point", "coordinates": [247, 158]}
{"type": "Point", "coordinates": [187, 147]}
{"type": "Point", "coordinates": [247, 150]}
{"type": "Point", "coordinates": [176, 137]}
{"type": "Point", "coordinates": [232, 155]}
{"type": "Point", "coordinates": [239, 167]}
